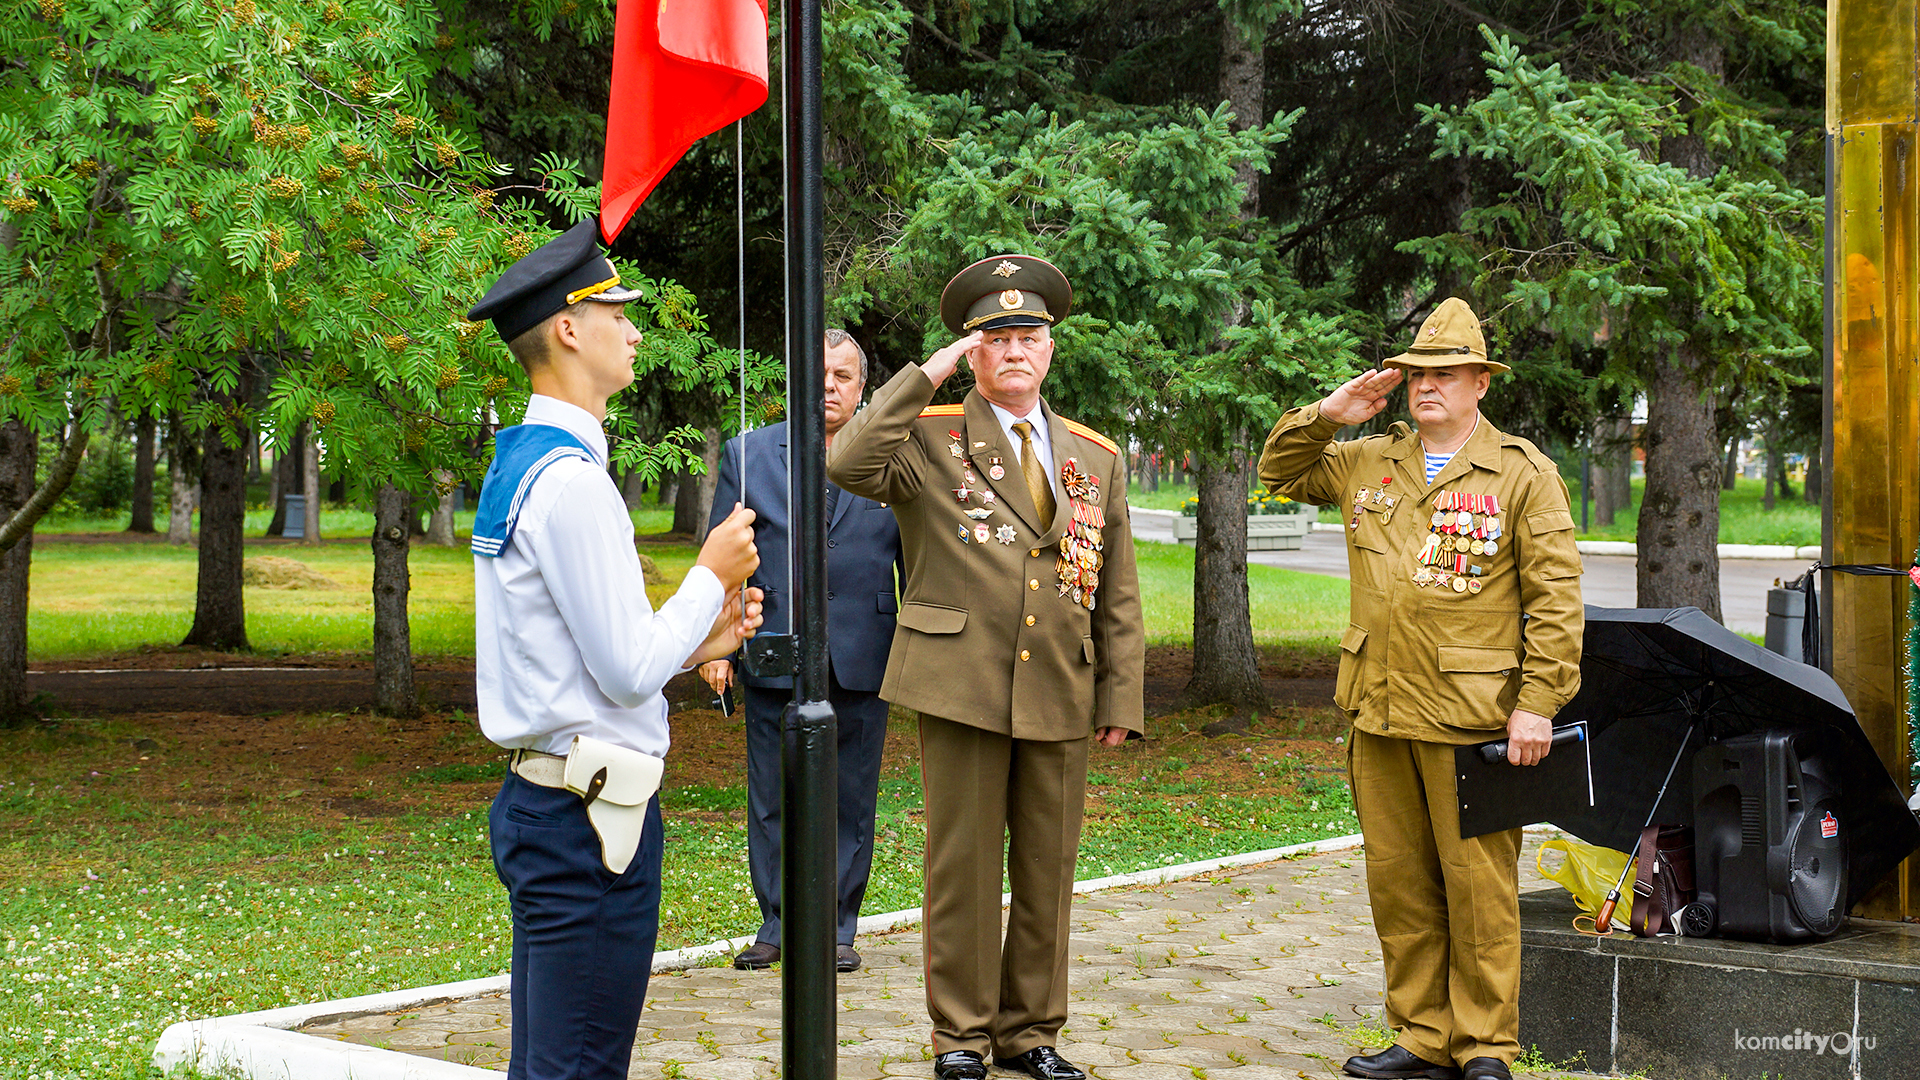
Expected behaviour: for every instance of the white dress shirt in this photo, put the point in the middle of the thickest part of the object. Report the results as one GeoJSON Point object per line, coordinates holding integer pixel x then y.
{"type": "Point", "coordinates": [565, 642]}
{"type": "Point", "coordinates": [1042, 437]}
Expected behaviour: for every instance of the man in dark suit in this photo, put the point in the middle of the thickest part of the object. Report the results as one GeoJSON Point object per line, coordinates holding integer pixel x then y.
{"type": "Point", "coordinates": [863, 553]}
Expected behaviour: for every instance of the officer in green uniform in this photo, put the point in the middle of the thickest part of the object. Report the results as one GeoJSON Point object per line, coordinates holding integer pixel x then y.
{"type": "Point", "coordinates": [1466, 627]}
{"type": "Point", "coordinates": [1019, 641]}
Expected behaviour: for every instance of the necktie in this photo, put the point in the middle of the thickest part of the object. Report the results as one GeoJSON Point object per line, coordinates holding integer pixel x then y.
{"type": "Point", "coordinates": [1036, 474]}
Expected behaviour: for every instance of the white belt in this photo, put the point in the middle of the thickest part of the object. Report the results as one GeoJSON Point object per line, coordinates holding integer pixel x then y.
{"type": "Point", "coordinates": [547, 770]}
{"type": "Point", "coordinates": [615, 782]}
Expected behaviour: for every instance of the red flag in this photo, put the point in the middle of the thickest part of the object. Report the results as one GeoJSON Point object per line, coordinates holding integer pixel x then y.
{"type": "Point", "coordinates": [682, 69]}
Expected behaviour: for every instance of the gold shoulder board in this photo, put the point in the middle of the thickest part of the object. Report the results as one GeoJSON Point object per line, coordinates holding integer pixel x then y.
{"type": "Point", "coordinates": [944, 410]}
{"type": "Point", "coordinates": [1091, 435]}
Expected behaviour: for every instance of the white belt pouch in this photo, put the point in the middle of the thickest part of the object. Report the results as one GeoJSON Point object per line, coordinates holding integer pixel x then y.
{"type": "Point", "coordinates": [616, 783]}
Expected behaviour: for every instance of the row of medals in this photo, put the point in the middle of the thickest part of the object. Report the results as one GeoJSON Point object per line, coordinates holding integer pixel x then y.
{"type": "Point", "coordinates": [1080, 558]}
{"type": "Point", "coordinates": [1463, 526]}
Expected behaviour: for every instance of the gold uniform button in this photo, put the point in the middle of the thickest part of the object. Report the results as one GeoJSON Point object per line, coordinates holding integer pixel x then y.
{"type": "Point", "coordinates": [1029, 620]}
{"type": "Point", "coordinates": [1033, 583]}
{"type": "Point", "coordinates": [1034, 554]}
{"type": "Point", "coordinates": [1024, 654]}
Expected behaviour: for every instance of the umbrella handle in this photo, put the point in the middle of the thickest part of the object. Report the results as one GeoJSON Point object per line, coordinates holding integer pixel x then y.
{"type": "Point", "coordinates": [1603, 920]}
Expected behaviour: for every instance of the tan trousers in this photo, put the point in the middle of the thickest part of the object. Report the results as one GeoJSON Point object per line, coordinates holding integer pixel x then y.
{"type": "Point", "coordinates": [1447, 910]}
{"type": "Point", "coordinates": [984, 790]}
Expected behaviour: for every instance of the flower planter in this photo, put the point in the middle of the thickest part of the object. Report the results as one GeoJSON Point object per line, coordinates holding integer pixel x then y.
{"type": "Point", "coordinates": [1265, 532]}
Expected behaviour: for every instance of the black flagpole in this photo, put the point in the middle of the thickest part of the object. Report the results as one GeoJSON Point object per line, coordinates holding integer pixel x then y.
{"type": "Point", "coordinates": [809, 749]}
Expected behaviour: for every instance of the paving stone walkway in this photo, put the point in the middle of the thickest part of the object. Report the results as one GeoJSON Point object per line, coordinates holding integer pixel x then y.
{"type": "Point", "coordinates": [1254, 973]}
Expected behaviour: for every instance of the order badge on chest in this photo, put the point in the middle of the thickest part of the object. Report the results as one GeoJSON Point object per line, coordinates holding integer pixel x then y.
{"type": "Point", "coordinates": [1463, 533]}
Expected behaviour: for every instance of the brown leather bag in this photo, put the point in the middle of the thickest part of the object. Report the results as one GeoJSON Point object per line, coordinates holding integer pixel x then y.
{"type": "Point", "coordinates": [1662, 878]}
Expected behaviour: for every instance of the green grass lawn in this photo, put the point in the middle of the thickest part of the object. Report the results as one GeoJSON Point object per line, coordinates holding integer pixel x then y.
{"type": "Point", "coordinates": [1743, 518]}
{"type": "Point", "coordinates": [141, 890]}
{"type": "Point", "coordinates": [144, 888]}
{"type": "Point", "coordinates": [336, 521]}
{"type": "Point", "coordinates": [93, 599]}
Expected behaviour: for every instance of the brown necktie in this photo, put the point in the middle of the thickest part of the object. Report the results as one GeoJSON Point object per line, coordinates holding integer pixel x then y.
{"type": "Point", "coordinates": [1036, 475]}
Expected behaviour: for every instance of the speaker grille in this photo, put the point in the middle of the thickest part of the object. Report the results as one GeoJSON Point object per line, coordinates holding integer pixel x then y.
{"type": "Point", "coordinates": [1817, 874]}
{"type": "Point", "coordinates": [1752, 833]}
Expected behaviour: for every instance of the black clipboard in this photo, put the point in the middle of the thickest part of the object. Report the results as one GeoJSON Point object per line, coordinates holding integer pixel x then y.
{"type": "Point", "coordinates": [1495, 795]}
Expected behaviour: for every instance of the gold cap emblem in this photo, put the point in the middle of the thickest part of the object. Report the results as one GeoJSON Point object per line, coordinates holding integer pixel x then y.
{"type": "Point", "coordinates": [1012, 299]}
{"type": "Point", "coordinates": [1005, 269]}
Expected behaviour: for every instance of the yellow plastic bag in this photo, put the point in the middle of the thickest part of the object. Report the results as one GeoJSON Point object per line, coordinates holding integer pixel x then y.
{"type": "Point", "coordinates": [1588, 872]}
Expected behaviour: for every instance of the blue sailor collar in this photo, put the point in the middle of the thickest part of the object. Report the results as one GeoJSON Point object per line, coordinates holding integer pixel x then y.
{"type": "Point", "coordinates": [520, 454]}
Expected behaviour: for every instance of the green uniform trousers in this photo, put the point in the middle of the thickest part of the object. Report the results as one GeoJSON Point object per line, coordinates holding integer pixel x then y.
{"type": "Point", "coordinates": [983, 790]}
{"type": "Point", "coordinates": [1447, 910]}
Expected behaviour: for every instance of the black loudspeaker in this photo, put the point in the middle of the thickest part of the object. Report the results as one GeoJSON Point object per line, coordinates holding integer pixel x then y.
{"type": "Point", "coordinates": [1770, 846]}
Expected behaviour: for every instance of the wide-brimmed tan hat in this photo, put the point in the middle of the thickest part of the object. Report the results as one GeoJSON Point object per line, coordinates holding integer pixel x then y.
{"type": "Point", "coordinates": [1450, 336]}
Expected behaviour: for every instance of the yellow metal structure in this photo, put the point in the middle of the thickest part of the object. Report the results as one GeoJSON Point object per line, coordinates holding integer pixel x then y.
{"type": "Point", "coordinates": [1873, 514]}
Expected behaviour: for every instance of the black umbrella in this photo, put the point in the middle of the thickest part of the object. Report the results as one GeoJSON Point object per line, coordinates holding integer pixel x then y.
{"type": "Point", "coordinates": [1657, 684]}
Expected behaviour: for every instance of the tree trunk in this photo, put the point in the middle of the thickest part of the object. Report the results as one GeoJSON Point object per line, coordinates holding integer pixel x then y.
{"type": "Point", "coordinates": [183, 473]}
{"type": "Point", "coordinates": [219, 606]}
{"type": "Point", "coordinates": [1731, 476]}
{"type": "Point", "coordinates": [440, 525]}
{"type": "Point", "coordinates": [393, 692]}
{"type": "Point", "coordinates": [286, 477]}
{"type": "Point", "coordinates": [1810, 491]}
{"type": "Point", "coordinates": [142, 475]}
{"type": "Point", "coordinates": [1679, 520]}
{"type": "Point", "coordinates": [1623, 476]}
{"type": "Point", "coordinates": [633, 489]}
{"type": "Point", "coordinates": [1226, 666]}
{"type": "Point", "coordinates": [310, 482]}
{"type": "Point", "coordinates": [19, 453]}
{"type": "Point", "coordinates": [1775, 466]}
{"type": "Point", "coordinates": [1679, 524]}
{"type": "Point", "coordinates": [695, 498]}
{"type": "Point", "coordinates": [1607, 456]}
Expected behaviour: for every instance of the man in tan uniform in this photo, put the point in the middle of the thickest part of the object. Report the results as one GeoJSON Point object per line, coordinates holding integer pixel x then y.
{"type": "Point", "coordinates": [1019, 637]}
{"type": "Point", "coordinates": [1466, 627]}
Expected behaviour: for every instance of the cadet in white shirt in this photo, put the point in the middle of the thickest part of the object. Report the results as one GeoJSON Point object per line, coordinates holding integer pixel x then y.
{"type": "Point", "coordinates": [570, 662]}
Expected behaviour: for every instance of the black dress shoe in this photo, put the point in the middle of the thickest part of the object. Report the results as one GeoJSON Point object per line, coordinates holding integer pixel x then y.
{"type": "Point", "coordinates": [1486, 1068]}
{"type": "Point", "coordinates": [959, 1065]}
{"type": "Point", "coordinates": [1399, 1063]}
{"type": "Point", "coordinates": [757, 957]}
{"type": "Point", "coordinates": [845, 959]}
{"type": "Point", "coordinates": [1042, 1063]}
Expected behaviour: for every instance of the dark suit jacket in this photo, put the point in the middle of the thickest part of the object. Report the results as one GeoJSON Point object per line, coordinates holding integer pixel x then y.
{"type": "Point", "coordinates": [863, 555]}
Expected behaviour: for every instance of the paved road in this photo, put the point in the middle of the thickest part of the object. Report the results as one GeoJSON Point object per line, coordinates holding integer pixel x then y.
{"type": "Point", "coordinates": [1609, 579]}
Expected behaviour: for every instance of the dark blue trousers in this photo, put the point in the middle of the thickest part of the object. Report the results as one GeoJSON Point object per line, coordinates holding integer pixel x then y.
{"type": "Point", "coordinates": [582, 938]}
{"type": "Point", "coordinates": [862, 721]}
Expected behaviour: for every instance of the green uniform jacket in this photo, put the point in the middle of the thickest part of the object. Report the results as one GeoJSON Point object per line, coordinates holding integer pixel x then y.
{"type": "Point", "coordinates": [1421, 660]}
{"type": "Point", "coordinates": [990, 634]}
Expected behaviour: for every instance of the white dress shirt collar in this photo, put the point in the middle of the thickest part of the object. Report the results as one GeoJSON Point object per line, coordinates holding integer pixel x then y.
{"type": "Point", "coordinates": [1042, 438]}
{"type": "Point", "coordinates": [570, 418]}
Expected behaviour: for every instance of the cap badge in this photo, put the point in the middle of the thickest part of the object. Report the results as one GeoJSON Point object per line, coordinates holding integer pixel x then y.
{"type": "Point", "coordinates": [1432, 330]}
{"type": "Point", "coordinates": [1011, 299]}
{"type": "Point", "coordinates": [1006, 269]}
